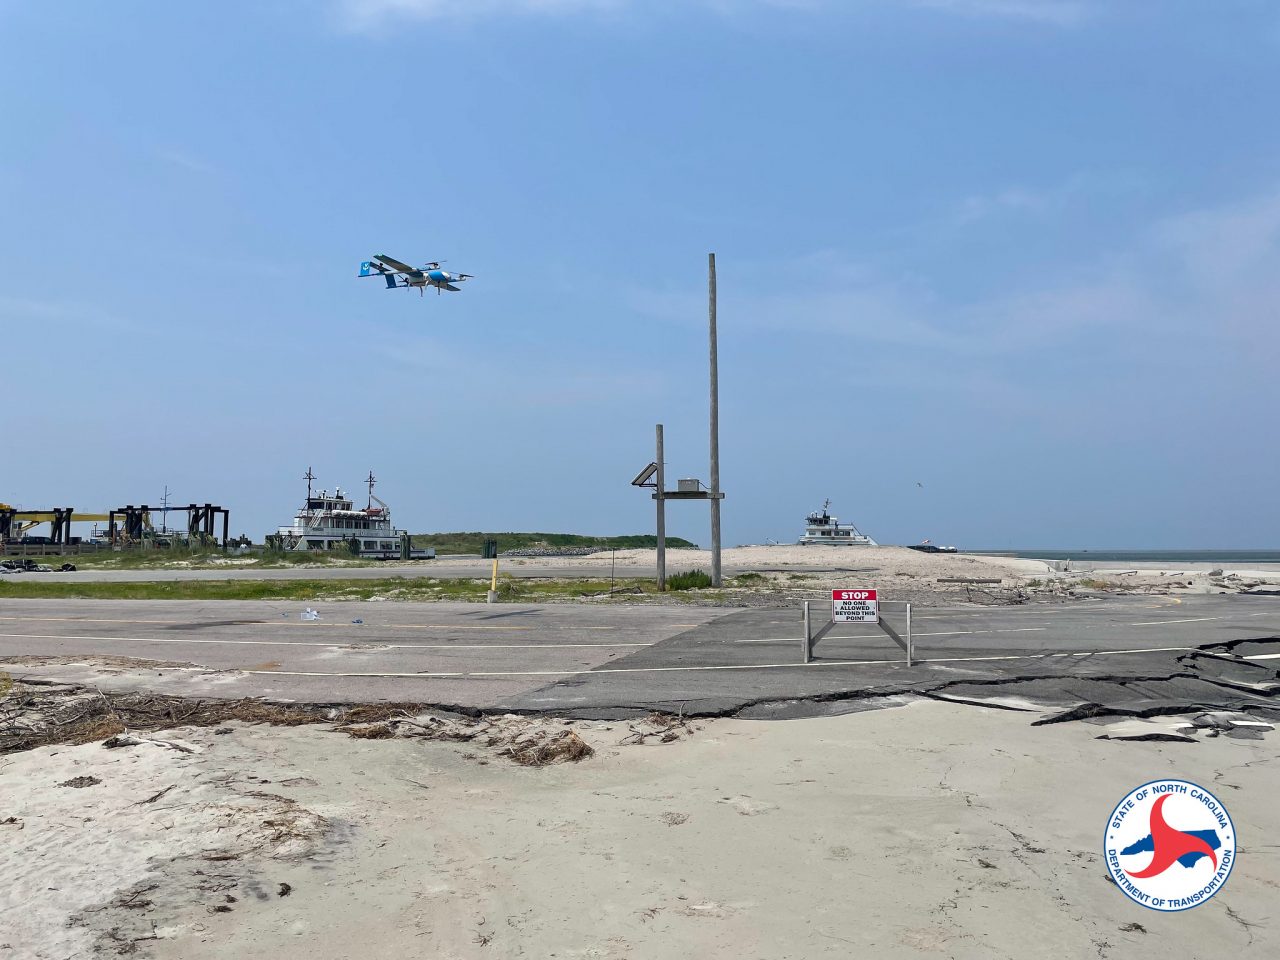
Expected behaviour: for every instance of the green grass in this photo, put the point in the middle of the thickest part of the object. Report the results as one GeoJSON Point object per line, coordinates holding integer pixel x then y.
{"type": "Point", "coordinates": [447, 543]}
{"type": "Point", "coordinates": [148, 559]}
{"type": "Point", "coordinates": [392, 588]}
{"type": "Point", "coordinates": [689, 580]}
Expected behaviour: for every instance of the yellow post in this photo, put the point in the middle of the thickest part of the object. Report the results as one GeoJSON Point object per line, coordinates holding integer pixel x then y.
{"type": "Point", "coordinates": [493, 583]}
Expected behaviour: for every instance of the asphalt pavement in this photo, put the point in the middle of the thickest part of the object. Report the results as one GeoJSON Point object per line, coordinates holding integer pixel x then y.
{"type": "Point", "coordinates": [614, 660]}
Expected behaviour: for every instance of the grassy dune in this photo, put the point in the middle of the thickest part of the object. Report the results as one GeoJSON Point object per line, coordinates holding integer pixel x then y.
{"type": "Point", "coordinates": [29, 587]}
{"type": "Point", "coordinates": [446, 543]}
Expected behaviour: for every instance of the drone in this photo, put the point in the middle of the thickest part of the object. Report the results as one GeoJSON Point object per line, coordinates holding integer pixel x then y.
{"type": "Point", "coordinates": [399, 274]}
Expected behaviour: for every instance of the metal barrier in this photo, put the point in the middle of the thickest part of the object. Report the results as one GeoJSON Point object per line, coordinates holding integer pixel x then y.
{"type": "Point", "coordinates": [907, 644]}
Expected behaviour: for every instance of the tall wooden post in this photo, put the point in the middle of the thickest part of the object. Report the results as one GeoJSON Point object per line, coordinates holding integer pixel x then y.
{"type": "Point", "coordinates": [715, 424]}
{"type": "Point", "coordinates": [662, 515]}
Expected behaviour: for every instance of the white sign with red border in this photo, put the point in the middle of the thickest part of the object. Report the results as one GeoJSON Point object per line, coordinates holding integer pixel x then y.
{"type": "Point", "coordinates": [854, 606]}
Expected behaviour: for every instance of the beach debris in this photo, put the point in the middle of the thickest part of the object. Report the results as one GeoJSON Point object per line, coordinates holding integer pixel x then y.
{"type": "Point", "coordinates": [46, 714]}
{"type": "Point", "coordinates": [528, 741]}
{"type": "Point", "coordinates": [309, 614]}
{"type": "Point", "coordinates": [662, 727]}
{"type": "Point", "coordinates": [155, 796]}
{"type": "Point", "coordinates": [1007, 597]}
{"type": "Point", "coordinates": [541, 748]}
{"type": "Point", "coordinates": [673, 819]}
{"type": "Point", "coordinates": [747, 807]}
{"type": "Point", "coordinates": [373, 731]}
{"type": "Point", "coordinates": [357, 620]}
{"type": "Point", "coordinates": [81, 782]}
{"type": "Point", "coordinates": [1239, 726]}
{"type": "Point", "coordinates": [1212, 723]}
{"type": "Point", "coordinates": [12, 822]}
{"type": "Point", "coordinates": [129, 740]}
{"type": "Point", "coordinates": [1164, 728]}
{"type": "Point", "coordinates": [284, 890]}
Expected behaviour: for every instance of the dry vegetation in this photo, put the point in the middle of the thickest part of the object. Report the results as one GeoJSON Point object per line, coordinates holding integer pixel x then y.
{"type": "Point", "coordinates": [37, 715]}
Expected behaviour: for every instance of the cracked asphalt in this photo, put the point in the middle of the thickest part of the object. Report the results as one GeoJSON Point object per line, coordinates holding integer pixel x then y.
{"type": "Point", "coordinates": [1128, 655]}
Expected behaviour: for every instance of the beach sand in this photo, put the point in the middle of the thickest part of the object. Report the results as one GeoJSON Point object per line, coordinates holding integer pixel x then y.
{"type": "Point", "coordinates": [927, 830]}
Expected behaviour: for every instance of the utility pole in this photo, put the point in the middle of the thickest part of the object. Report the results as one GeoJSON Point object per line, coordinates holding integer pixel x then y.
{"type": "Point", "coordinates": [659, 495]}
{"type": "Point", "coordinates": [715, 425]}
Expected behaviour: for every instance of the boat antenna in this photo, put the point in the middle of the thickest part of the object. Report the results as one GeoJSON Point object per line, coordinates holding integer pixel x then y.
{"type": "Point", "coordinates": [309, 477]}
{"type": "Point", "coordinates": [371, 481]}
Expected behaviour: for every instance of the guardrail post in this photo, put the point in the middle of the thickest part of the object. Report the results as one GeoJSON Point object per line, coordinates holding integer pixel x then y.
{"type": "Point", "coordinates": [808, 652]}
{"type": "Point", "coordinates": [910, 642]}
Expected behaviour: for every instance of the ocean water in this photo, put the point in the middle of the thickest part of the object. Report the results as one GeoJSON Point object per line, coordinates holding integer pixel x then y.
{"type": "Point", "coordinates": [1140, 556]}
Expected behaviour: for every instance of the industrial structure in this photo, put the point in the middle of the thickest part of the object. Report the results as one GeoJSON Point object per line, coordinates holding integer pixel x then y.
{"type": "Point", "coordinates": [126, 526]}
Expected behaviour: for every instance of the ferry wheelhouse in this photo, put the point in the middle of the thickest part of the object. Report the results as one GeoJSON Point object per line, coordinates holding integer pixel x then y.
{"type": "Point", "coordinates": [825, 529]}
{"type": "Point", "coordinates": [332, 522]}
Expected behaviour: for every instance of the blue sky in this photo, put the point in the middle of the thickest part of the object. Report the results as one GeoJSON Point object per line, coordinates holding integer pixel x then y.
{"type": "Point", "coordinates": [993, 272]}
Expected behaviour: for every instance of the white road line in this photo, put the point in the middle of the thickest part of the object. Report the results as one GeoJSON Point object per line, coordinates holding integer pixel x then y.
{"type": "Point", "coordinates": [374, 645]}
{"type": "Point", "coordinates": [308, 625]}
{"type": "Point", "coordinates": [878, 636]}
{"type": "Point", "coordinates": [746, 666]}
{"type": "Point", "coordinates": [860, 636]}
{"type": "Point", "coordinates": [1263, 656]}
{"type": "Point", "coordinates": [1156, 623]}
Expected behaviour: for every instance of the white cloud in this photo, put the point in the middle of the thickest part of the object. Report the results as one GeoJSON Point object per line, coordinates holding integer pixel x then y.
{"type": "Point", "coordinates": [1198, 283]}
{"type": "Point", "coordinates": [60, 317]}
{"type": "Point", "coordinates": [1060, 12]}
{"type": "Point", "coordinates": [186, 161]}
{"type": "Point", "coordinates": [1010, 200]}
{"type": "Point", "coordinates": [369, 12]}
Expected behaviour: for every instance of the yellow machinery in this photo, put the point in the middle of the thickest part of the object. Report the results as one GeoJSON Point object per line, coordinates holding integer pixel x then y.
{"type": "Point", "coordinates": [15, 523]}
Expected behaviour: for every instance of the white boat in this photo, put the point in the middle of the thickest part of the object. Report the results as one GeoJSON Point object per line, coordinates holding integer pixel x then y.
{"type": "Point", "coordinates": [825, 529]}
{"type": "Point", "coordinates": [332, 522]}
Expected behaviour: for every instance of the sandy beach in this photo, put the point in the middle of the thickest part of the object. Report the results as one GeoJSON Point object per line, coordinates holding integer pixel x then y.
{"type": "Point", "coordinates": [925, 830]}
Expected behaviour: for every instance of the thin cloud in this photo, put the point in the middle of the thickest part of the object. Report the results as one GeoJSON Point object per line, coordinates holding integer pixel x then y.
{"type": "Point", "coordinates": [1210, 276]}
{"type": "Point", "coordinates": [186, 161]}
{"type": "Point", "coordinates": [1013, 200]}
{"type": "Point", "coordinates": [367, 12]}
{"type": "Point", "coordinates": [60, 316]}
{"type": "Point", "coordinates": [1058, 12]}
{"type": "Point", "coordinates": [363, 13]}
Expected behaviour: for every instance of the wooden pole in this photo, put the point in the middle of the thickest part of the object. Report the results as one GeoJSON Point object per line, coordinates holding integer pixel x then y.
{"type": "Point", "coordinates": [715, 424]}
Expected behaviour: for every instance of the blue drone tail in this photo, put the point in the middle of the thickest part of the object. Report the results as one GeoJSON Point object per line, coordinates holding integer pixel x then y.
{"type": "Point", "coordinates": [366, 268]}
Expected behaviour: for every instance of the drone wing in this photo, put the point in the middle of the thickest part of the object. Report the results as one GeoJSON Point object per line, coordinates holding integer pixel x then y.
{"type": "Point", "coordinates": [450, 286]}
{"type": "Point", "coordinates": [396, 264]}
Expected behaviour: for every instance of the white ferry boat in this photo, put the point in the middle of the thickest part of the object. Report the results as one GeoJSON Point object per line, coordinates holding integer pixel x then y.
{"type": "Point", "coordinates": [332, 521]}
{"type": "Point", "coordinates": [826, 529]}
